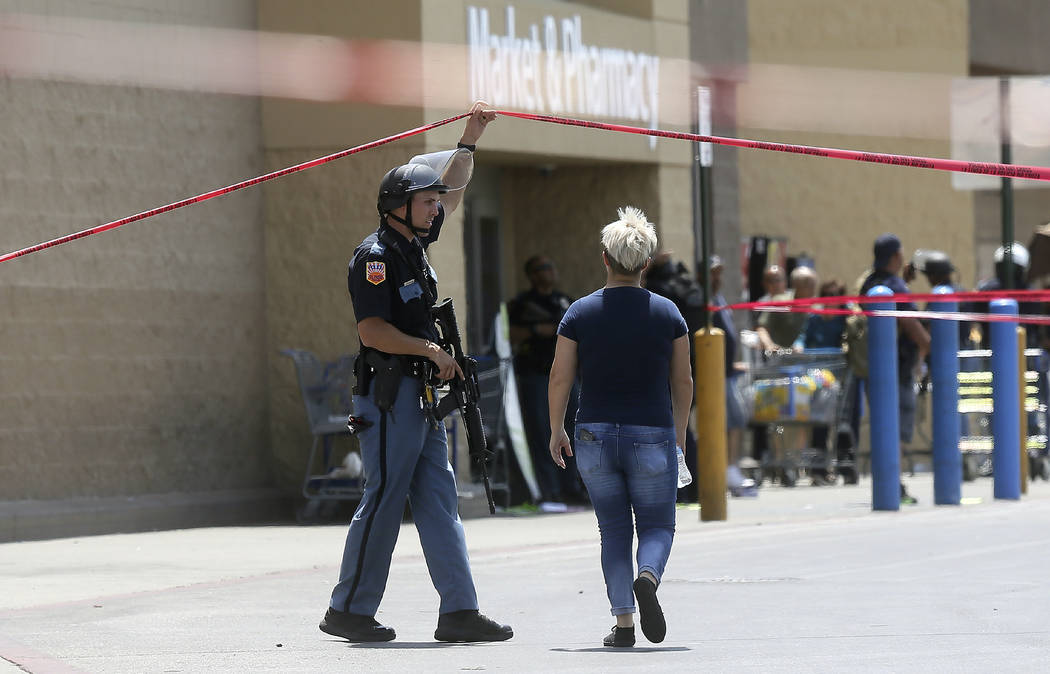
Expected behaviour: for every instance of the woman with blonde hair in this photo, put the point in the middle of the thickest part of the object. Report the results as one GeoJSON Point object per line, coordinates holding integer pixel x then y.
{"type": "Point", "coordinates": [631, 350]}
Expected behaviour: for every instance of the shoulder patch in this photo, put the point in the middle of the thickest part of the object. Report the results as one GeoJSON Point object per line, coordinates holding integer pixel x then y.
{"type": "Point", "coordinates": [375, 272]}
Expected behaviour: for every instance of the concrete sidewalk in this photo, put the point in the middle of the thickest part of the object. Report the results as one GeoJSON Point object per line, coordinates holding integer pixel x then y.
{"type": "Point", "coordinates": [804, 579]}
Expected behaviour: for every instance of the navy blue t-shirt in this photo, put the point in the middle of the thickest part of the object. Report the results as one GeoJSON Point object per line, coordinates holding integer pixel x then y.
{"type": "Point", "coordinates": [624, 341]}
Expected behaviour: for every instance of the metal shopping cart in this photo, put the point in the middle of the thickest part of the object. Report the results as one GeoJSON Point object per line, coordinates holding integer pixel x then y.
{"type": "Point", "coordinates": [975, 410]}
{"type": "Point", "coordinates": [800, 400]}
{"type": "Point", "coordinates": [325, 388]}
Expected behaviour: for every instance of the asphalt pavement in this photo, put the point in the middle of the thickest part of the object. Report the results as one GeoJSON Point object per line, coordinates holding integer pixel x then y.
{"type": "Point", "coordinates": [797, 580]}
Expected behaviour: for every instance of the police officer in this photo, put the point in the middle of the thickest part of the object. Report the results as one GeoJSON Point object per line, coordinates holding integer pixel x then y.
{"type": "Point", "coordinates": [1018, 280]}
{"type": "Point", "coordinates": [404, 451]}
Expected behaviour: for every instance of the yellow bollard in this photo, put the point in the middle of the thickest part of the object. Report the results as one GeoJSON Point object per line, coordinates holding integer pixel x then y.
{"type": "Point", "coordinates": [711, 453]}
{"type": "Point", "coordinates": [1023, 366]}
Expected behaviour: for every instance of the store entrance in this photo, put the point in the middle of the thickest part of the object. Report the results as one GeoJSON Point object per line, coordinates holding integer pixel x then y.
{"type": "Point", "coordinates": [484, 278]}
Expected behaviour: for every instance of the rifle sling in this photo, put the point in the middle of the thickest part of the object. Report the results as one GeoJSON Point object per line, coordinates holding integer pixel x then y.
{"type": "Point", "coordinates": [430, 297]}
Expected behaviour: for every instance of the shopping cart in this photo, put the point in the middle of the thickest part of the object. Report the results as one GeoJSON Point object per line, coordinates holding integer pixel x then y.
{"type": "Point", "coordinates": [325, 389]}
{"type": "Point", "coordinates": [800, 400]}
{"type": "Point", "coordinates": [975, 410]}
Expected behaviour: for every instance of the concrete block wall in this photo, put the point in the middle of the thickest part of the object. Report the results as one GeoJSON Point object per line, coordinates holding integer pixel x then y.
{"type": "Point", "coordinates": [131, 362]}
{"type": "Point", "coordinates": [869, 75]}
{"type": "Point", "coordinates": [567, 216]}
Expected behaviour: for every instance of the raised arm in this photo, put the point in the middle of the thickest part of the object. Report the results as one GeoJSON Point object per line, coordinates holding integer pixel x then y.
{"type": "Point", "coordinates": [479, 118]}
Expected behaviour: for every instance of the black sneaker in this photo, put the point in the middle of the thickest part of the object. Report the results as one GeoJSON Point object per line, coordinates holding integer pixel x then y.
{"type": "Point", "coordinates": [620, 637]}
{"type": "Point", "coordinates": [470, 625]}
{"type": "Point", "coordinates": [649, 612]}
{"type": "Point", "coordinates": [354, 627]}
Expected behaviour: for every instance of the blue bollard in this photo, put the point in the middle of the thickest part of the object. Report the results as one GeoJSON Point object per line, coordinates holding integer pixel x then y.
{"type": "Point", "coordinates": [1006, 411]}
{"type": "Point", "coordinates": [883, 402]}
{"type": "Point", "coordinates": [944, 375]}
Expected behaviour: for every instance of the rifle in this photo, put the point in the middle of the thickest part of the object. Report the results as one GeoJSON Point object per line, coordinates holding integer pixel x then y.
{"type": "Point", "coordinates": [465, 393]}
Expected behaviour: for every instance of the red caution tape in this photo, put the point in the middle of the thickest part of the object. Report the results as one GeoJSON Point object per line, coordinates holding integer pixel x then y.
{"type": "Point", "coordinates": [983, 168]}
{"type": "Point", "coordinates": [226, 190]}
{"type": "Point", "coordinates": [820, 305]}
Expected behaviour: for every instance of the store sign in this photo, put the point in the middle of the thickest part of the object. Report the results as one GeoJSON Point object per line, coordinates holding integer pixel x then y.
{"type": "Point", "coordinates": [551, 70]}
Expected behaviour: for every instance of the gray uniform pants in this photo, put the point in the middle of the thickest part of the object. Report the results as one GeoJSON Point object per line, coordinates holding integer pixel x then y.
{"type": "Point", "coordinates": [404, 457]}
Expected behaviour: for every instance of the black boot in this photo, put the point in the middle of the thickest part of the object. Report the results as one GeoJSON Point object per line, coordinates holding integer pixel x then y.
{"type": "Point", "coordinates": [620, 637]}
{"type": "Point", "coordinates": [354, 627]}
{"type": "Point", "coordinates": [470, 625]}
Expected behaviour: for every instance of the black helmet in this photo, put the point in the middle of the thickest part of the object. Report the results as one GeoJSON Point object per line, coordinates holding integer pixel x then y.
{"type": "Point", "coordinates": [937, 263]}
{"type": "Point", "coordinates": [398, 184]}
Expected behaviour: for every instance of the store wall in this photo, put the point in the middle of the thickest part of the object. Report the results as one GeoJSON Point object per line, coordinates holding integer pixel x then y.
{"type": "Point", "coordinates": [869, 75]}
{"type": "Point", "coordinates": [561, 215]}
{"type": "Point", "coordinates": [131, 362]}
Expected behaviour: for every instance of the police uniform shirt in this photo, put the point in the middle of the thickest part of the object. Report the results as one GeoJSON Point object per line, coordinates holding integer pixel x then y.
{"type": "Point", "coordinates": [536, 353]}
{"type": "Point", "coordinates": [383, 285]}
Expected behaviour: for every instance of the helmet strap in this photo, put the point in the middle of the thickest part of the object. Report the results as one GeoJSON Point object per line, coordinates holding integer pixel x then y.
{"type": "Point", "coordinates": [407, 221]}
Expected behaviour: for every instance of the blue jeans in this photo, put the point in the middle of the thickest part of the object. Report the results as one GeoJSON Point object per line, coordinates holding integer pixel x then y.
{"type": "Point", "coordinates": [629, 468]}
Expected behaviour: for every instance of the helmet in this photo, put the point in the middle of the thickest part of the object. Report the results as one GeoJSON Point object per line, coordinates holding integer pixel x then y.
{"type": "Point", "coordinates": [934, 263]}
{"type": "Point", "coordinates": [1018, 254]}
{"type": "Point", "coordinates": [400, 183]}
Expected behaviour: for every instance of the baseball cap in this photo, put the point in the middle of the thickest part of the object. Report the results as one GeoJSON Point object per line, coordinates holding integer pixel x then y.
{"type": "Point", "coordinates": [886, 246]}
{"type": "Point", "coordinates": [714, 261]}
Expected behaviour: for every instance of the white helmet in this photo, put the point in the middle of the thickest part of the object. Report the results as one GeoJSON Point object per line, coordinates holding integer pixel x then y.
{"type": "Point", "coordinates": [1018, 254]}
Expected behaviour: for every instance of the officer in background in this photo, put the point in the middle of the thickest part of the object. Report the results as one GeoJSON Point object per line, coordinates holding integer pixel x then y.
{"type": "Point", "coordinates": [1020, 258]}
{"type": "Point", "coordinates": [403, 449]}
{"type": "Point", "coordinates": [938, 269]}
{"type": "Point", "coordinates": [534, 316]}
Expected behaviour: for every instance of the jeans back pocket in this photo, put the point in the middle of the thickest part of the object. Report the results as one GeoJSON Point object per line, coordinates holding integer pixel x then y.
{"type": "Point", "coordinates": [651, 458]}
{"type": "Point", "coordinates": [588, 451]}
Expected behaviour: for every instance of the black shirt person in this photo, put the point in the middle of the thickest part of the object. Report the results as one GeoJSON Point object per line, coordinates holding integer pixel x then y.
{"type": "Point", "coordinates": [534, 316]}
{"type": "Point", "coordinates": [404, 455]}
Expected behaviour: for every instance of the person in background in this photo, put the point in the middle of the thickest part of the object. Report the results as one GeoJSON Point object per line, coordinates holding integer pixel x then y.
{"type": "Point", "coordinates": [1020, 258]}
{"type": "Point", "coordinates": [631, 348]}
{"type": "Point", "coordinates": [736, 419]}
{"type": "Point", "coordinates": [937, 267]}
{"type": "Point", "coordinates": [774, 283]}
{"type": "Point", "coordinates": [1036, 336]}
{"type": "Point", "coordinates": [534, 316]}
{"type": "Point", "coordinates": [672, 280]}
{"type": "Point", "coordinates": [825, 331]}
{"type": "Point", "coordinates": [913, 341]}
{"type": "Point", "coordinates": [779, 329]}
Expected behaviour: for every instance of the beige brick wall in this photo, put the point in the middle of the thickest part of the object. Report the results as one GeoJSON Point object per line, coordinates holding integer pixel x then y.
{"type": "Point", "coordinates": [833, 209]}
{"type": "Point", "coordinates": [131, 362]}
{"type": "Point", "coordinates": [561, 216]}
